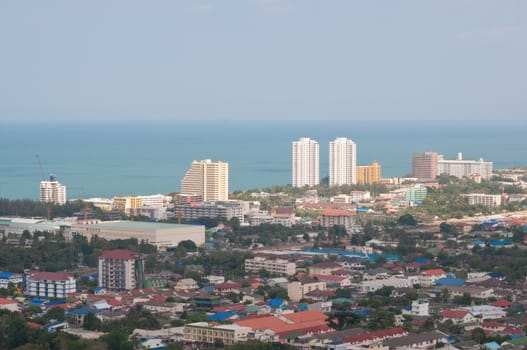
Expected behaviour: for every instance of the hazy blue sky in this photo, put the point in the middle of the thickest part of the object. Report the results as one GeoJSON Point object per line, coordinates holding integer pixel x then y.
{"type": "Point", "coordinates": [263, 59]}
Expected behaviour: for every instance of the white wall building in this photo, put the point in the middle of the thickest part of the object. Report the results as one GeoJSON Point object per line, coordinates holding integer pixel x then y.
{"type": "Point", "coordinates": [208, 179]}
{"type": "Point", "coordinates": [342, 162]}
{"type": "Point", "coordinates": [488, 200]}
{"type": "Point", "coordinates": [52, 191]}
{"type": "Point", "coordinates": [305, 163]}
{"type": "Point", "coordinates": [50, 284]}
{"type": "Point", "coordinates": [279, 266]}
{"type": "Point", "coordinates": [464, 168]}
{"type": "Point", "coordinates": [159, 234]}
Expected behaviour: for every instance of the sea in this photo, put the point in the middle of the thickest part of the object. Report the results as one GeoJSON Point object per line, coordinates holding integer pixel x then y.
{"type": "Point", "coordinates": [104, 159]}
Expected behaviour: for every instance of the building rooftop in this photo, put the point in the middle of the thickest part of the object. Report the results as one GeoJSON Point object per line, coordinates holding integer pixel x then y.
{"type": "Point", "coordinates": [123, 254]}
{"type": "Point", "coordinates": [139, 225]}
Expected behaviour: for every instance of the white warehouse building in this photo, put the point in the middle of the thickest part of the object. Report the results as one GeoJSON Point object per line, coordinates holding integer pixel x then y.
{"type": "Point", "coordinates": [159, 234]}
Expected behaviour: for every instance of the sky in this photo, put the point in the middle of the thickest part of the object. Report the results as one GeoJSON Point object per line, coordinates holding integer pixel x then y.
{"type": "Point", "coordinates": [160, 60]}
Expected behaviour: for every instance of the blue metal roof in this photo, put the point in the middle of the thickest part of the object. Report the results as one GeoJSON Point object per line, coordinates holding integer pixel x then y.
{"type": "Point", "coordinates": [6, 275]}
{"type": "Point", "coordinates": [499, 243]}
{"type": "Point", "coordinates": [276, 302]}
{"type": "Point", "coordinates": [449, 282]}
{"type": "Point", "coordinates": [221, 316]}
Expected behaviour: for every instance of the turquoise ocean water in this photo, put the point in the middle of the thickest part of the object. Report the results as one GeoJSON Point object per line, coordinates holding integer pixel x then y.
{"type": "Point", "coordinates": [108, 159]}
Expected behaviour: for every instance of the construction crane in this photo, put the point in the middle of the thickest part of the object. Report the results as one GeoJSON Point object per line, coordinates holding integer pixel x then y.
{"type": "Point", "coordinates": [43, 178]}
{"type": "Point", "coordinates": [86, 209]}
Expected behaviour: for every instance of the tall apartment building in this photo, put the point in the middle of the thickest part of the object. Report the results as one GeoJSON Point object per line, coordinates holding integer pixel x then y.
{"type": "Point", "coordinates": [424, 165]}
{"type": "Point", "coordinates": [279, 266]}
{"type": "Point", "coordinates": [342, 162]}
{"type": "Point", "coordinates": [305, 164]}
{"type": "Point", "coordinates": [369, 174]}
{"type": "Point", "coordinates": [464, 168]}
{"type": "Point", "coordinates": [208, 179]}
{"type": "Point", "coordinates": [121, 269]}
{"type": "Point", "coordinates": [52, 191]}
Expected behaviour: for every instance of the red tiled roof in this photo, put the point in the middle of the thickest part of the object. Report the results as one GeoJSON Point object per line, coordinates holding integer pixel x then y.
{"type": "Point", "coordinates": [433, 272]}
{"type": "Point", "coordinates": [502, 303]}
{"type": "Point", "coordinates": [336, 212]}
{"type": "Point", "coordinates": [299, 322]}
{"type": "Point", "coordinates": [48, 276]}
{"type": "Point", "coordinates": [371, 336]}
{"type": "Point", "coordinates": [121, 254]}
{"type": "Point", "coordinates": [227, 285]}
{"type": "Point", "coordinates": [454, 313]}
{"type": "Point", "coordinates": [4, 301]}
{"type": "Point", "coordinates": [327, 278]}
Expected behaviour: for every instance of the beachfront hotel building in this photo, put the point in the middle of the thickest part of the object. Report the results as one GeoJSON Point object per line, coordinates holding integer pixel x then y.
{"type": "Point", "coordinates": [52, 191]}
{"type": "Point", "coordinates": [207, 179]}
{"type": "Point", "coordinates": [464, 168]}
{"type": "Point", "coordinates": [121, 269]}
{"type": "Point", "coordinates": [424, 165]}
{"type": "Point", "coordinates": [369, 174]}
{"type": "Point", "coordinates": [342, 162]}
{"type": "Point", "coordinates": [305, 163]}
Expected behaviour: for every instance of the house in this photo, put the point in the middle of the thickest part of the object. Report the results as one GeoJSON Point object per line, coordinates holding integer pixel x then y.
{"type": "Point", "coordinates": [296, 290]}
{"type": "Point", "coordinates": [457, 316]}
{"type": "Point", "coordinates": [428, 277]}
{"type": "Point", "coordinates": [416, 341]}
{"type": "Point", "coordinates": [324, 268]}
{"type": "Point", "coordinates": [333, 281]}
{"type": "Point", "coordinates": [486, 312]}
{"type": "Point", "coordinates": [9, 304]}
{"type": "Point", "coordinates": [186, 285]}
{"type": "Point", "coordinates": [227, 287]}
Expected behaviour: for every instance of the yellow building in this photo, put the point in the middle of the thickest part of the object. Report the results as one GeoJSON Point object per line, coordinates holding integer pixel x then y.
{"type": "Point", "coordinates": [123, 204]}
{"type": "Point", "coordinates": [208, 179]}
{"type": "Point", "coordinates": [369, 174]}
{"type": "Point", "coordinates": [203, 332]}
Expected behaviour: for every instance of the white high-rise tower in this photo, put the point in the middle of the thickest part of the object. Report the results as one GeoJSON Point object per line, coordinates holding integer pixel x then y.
{"type": "Point", "coordinates": [305, 162]}
{"type": "Point", "coordinates": [52, 191]}
{"type": "Point", "coordinates": [342, 162]}
{"type": "Point", "coordinates": [207, 179]}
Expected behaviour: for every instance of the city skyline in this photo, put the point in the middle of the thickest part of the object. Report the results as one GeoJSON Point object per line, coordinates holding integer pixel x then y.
{"type": "Point", "coordinates": [210, 60]}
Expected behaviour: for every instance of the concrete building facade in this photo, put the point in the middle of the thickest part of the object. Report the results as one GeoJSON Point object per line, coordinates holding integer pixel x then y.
{"type": "Point", "coordinates": [50, 284]}
{"type": "Point", "coordinates": [159, 234]}
{"type": "Point", "coordinates": [342, 162]}
{"type": "Point", "coordinates": [52, 191]}
{"type": "Point", "coordinates": [121, 269]}
{"type": "Point", "coordinates": [464, 168]}
{"type": "Point", "coordinates": [208, 179]}
{"type": "Point", "coordinates": [278, 266]}
{"type": "Point", "coordinates": [424, 165]}
{"type": "Point", "coordinates": [305, 163]}
{"type": "Point", "coordinates": [369, 174]}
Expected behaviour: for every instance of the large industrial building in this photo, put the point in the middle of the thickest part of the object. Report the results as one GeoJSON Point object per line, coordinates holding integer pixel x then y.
{"type": "Point", "coordinates": [159, 234]}
{"type": "Point", "coordinates": [208, 179]}
{"type": "Point", "coordinates": [342, 162]}
{"type": "Point", "coordinates": [305, 163]}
